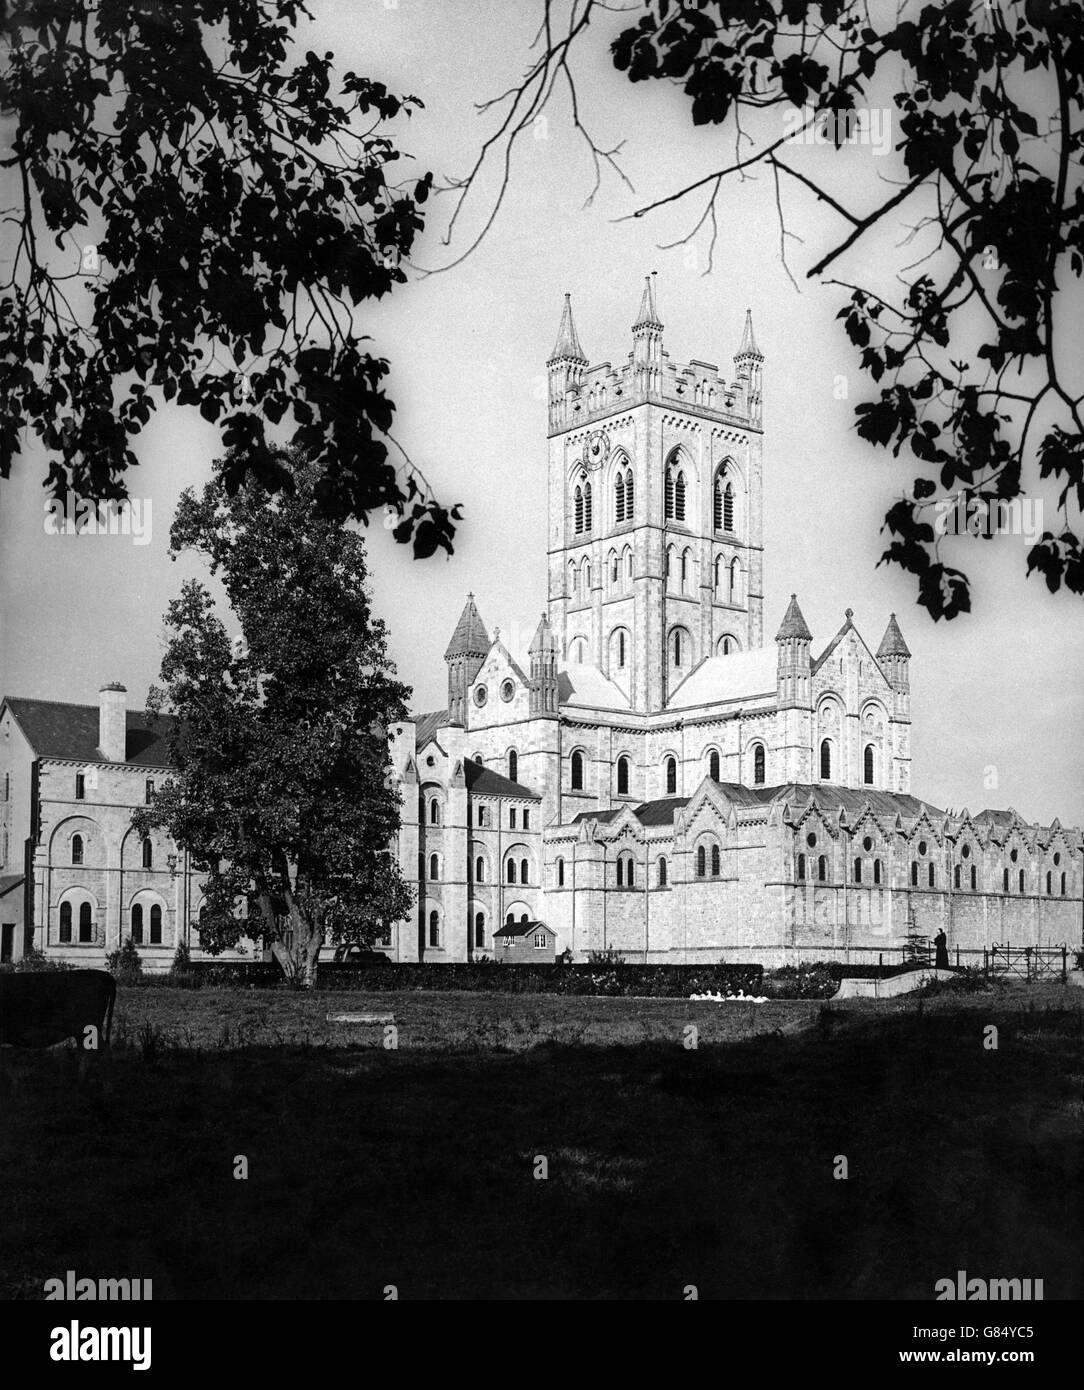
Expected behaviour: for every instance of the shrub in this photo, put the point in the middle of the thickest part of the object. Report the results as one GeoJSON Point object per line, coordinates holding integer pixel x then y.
{"type": "Point", "coordinates": [125, 963]}
{"type": "Point", "coordinates": [607, 957]}
{"type": "Point", "coordinates": [35, 960]}
{"type": "Point", "coordinates": [182, 959]}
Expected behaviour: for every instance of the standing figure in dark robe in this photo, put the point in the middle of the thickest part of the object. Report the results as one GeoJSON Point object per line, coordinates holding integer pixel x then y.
{"type": "Point", "coordinates": [940, 943]}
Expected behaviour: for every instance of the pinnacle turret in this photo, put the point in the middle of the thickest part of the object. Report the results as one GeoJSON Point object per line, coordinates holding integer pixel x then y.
{"type": "Point", "coordinates": [892, 643]}
{"type": "Point", "coordinates": [470, 637]}
{"type": "Point", "coordinates": [648, 317]}
{"type": "Point", "coordinates": [567, 347]}
{"type": "Point", "coordinates": [793, 624]}
{"type": "Point", "coordinates": [748, 342]}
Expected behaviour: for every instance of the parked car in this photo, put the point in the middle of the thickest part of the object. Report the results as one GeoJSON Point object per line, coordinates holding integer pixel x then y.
{"type": "Point", "coordinates": [351, 953]}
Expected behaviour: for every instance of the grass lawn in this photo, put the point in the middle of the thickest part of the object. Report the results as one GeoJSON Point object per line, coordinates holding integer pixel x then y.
{"type": "Point", "coordinates": [667, 1166]}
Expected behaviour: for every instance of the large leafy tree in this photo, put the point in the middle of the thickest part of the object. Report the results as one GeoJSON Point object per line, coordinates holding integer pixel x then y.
{"type": "Point", "coordinates": [193, 213]}
{"type": "Point", "coordinates": [970, 362]}
{"type": "Point", "coordinates": [282, 786]}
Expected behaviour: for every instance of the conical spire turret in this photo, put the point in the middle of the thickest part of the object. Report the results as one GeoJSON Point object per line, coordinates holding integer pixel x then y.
{"type": "Point", "coordinates": [648, 317]}
{"type": "Point", "coordinates": [892, 643]}
{"type": "Point", "coordinates": [543, 654]}
{"type": "Point", "coordinates": [567, 347]}
{"type": "Point", "coordinates": [465, 653]}
{"type": "Point", "coordinates": [793, 669]}
{"type": "Point", "coordinates": [748, 346]}
{"type": "Point", "coordinates": [793, 624]}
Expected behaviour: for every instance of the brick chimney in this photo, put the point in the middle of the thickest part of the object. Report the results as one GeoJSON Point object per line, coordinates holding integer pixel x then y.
{"type": "Point", "coordinates": [113, 722]}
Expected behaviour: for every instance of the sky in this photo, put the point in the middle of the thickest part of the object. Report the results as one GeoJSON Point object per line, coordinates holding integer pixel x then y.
{"type": "Point", "coordinates": [997, 695]}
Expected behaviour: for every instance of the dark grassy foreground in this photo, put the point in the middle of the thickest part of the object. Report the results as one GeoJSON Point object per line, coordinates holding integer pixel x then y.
{"type": "Point", "coordinates": [667, 1166]}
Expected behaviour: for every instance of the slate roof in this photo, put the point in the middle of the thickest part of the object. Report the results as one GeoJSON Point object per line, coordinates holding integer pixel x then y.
{"type": "Point", "coordinates": [427, 726]}
{"type": "Point", "coordinates": [996, 817]}
{"type": "Point", "coordinates": [56, 730]}
{"type": "Point", "coordinates": [793, 624]}
{"type": "Point", "coordinates": [483, 781]}
{"type": "Point", "coordinates": [892, 643]}
{"type": "Point", "coordinates": [523, 929]}
{"type": "Point", "coordinates": [796, 795]}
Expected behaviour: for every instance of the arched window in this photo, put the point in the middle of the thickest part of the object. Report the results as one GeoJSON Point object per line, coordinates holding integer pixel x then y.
{"type": "Point", "coordinates": [524, 874]}
{"type": "Point", "coordinates": [914, 873]}
{"type": "Point", "coordinates": [669, 562]}
{"type": "Point", "coordinates": [1021, 880]}
{"type": "Point", "coordinates": [720, 571]}
{"type": "Point", "coordinates": [758, 765]}
{"type": "Point", "coordinates": [137, 923]}
{"type": "Point", "coordinates": [577, 771]}
{"type": "Point", "coordinates": [434, 929]}
{"type": "Point", "coordinates": [615, 572]}
{"type": "Point", "coordinates": [434, 812]}
{"type": "Point", "coordinates": [156, 925]}
{"type": "Point", "coordinates": [822, 869]}
{"type": "Point", "coordinates": [1063, 885]}
{"type": "Point", "coordinates": [858, 871]}
{"type": "Point", "coordinates": [932, 876]}
{"type": "Point", "coordinates": [434, 867]}
{"type": "Point", "coordinates": [727, 644]}
{"type": "Point", "coordinates": [481, 817]}
{"type": "Point", "coordinates": [956, 876]}
{"type": "Point", "coordinates": [867, 765]}
{"type": "Point", "coordinates": [876, 871]}
{"type": "Point", "coordinates": [735, 581]}
{"type": "Point", "coordinates": [86, 922]}
{"type": "Point", "coordinates": [573, 579]}
{"type": "Point", "coordinates": [560, 873]}
{"type": "Point", "coordinates": [628, 557]}
{"type": "Point", "coordinates": [65, 923]}
{"type": "Point", "coordinates": [479, 930]}
{"type": "Point", "coordinates": [715, 864]}
{"type": "Point", "coordinates": [148, 854]}
{"type": "Point", "coordinates": [679, 496]}
{"type": "Point", "coordinates": [671, 777]}
{"type": "Point", "coordinates": [587, 506]}
{"type": "Point", "coordinates": [509, 919]}
{"type": "Point", "coordinates": [677, 652]}
{"type": "Point", "coordinates": [684, 571]}
{"type": "Point", "coordinates": [826, 760]}
{"type": "Point", "coordinates": [513, 765]}
{"type": "Point", "coordinates": [585, 577]}
{"type": "Point", "coordinates": [621, 650]}
{"type": "Point", "coordinates": [974, 878]}
{"type": "Point", "coordinates": [479, 870]}
{"type": "Point", "coordinates": [713, 765]}
{"type": "Point", "coordinates": [801, 868]}
{"type": "Point", "coordinates": [629, 499]}
{"type": "Point", "coordinates": [728, 507]}
{"type": "Point", "coordinates": [1005, 880]}
{"type": "Point", "coordinates": [661, 877]}
{"type": "Point", "coordinates": [619, 496]}
{"type": "Point", "coordinates": [701, 862]}
{"type": "Point", "coordinates": [578, 509]}
{"type": "Point", "coordinates": [669, 492]}
{"type": "Point", "coordinates": [77, 849]}
{"type": "Point", "coordinates": [622, 776]}
{"type": "Point", "coordinates": [620, 871]}
{"type": "Point", "coordinates": [511, 871]}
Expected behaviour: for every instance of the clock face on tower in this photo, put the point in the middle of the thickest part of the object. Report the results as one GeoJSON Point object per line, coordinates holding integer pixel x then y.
{"type": "Point", "coordinates": [596, 447]}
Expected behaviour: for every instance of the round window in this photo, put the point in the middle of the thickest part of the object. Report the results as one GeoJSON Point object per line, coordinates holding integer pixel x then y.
{"type": "Point", "coordinates": [507, 690]}
{"type": "Point", "coordinates": [811, 840]}
{"type": "Point", "coordinates": [966, 851]}
{"type": "Point", "coordinates": [480, 696]}
{"type": "Point", "coordinates": [1014, 856]}
{"type": "Point", "coordinates": [430, 761]}
{"type": "Point", "coordinates": [922, 846]}
{"type": "Point", "coordinates": [867, 844]}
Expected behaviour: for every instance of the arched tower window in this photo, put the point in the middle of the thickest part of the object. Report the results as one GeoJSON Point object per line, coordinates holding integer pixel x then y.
{"type": "Point", "coordinates": [826, 760]}
{"type": "Point", "coordinates": [573, 579]}
{"type": "Point", "coordinates": [434, 812]}
{"type": "Point", "coordinates": [137, 923]}
{"type": "Point", "coordinates": [86, 922]}
{"type": "Point", "coordinates": [713, 765]}
{"type": "Point", "coordinates": [156, 924]}
{"type": "Point", "coordinates": [758, 765]}
{"type": "Point", "coordinates": [577, 771]}
{"type": "Point", "coordinates": [701, 862]}
{"type": "Point", "coordinates": [822, 869]}
{"type": "Point", "coordinates": [560, 873]}
{"type": "Point", "coordinates": [661, 880]}
{"type": "Point", "coordinates": [479, 930]}
{"type": "Point", "coordinates": [510, 871]}
{"type": "Point", "coordinates": [148, 854]}
{"type": "Point", "coordinates": [77, 849]}
{"type": "Point", "coordinates": [434, 929]}
{"type": "Point", "coordinates": [629, 497]}
{"type": "Point", "coordinates": [735, 581]}
{"type": "Point", "coordinates": [622, 776]}
{"type": "Point", "coordinates": [434, 867]}
{"type": "Point", "coordinates": [715, 863]}
{"type": "Point", "coordinates": [675, 493]}
{"type": "Point", "coordinates": [479, 870]}
{"type": "Point", "coordinates": [513, 765]}
{"type": "Point", "coordinates": [578, 509]}
{"type": "Point", "coordinates": [801, 868]}
{"type": "Point", "coordinates": [587, 506]}
{"type": "Point", "coordinates": [65, 923]}
{"type": "Point", "coordinates": [728, 507]}
{"type": "Point", "coordinates": [619, 496]}
{"type": "Point", "coordinates": [671, 777]}
{"type": "Point", "coordinates": [867, 765]}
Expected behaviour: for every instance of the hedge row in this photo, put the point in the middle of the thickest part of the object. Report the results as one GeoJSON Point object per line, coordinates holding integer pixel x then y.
{"type": "Point", "coordinates": [643, 981]}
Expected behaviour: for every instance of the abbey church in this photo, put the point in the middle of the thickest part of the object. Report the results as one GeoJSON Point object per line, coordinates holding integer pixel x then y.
{"type": "Point", "coordinates": [660, 781]}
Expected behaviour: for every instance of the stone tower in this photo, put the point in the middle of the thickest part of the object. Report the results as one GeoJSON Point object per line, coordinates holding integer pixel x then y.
{"type": "Point", "coordinates": [465, 654]}
{"type": "Point", "coordinates": [655, 509]}
{"type": "Point", "coordinates": [894, 659]}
